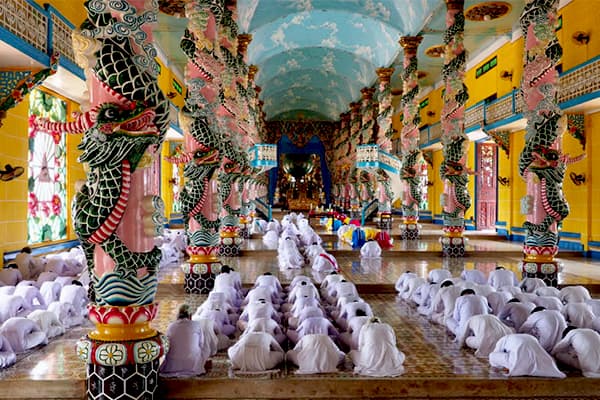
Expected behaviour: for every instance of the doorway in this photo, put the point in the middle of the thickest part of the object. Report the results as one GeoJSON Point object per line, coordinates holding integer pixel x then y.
{"type": "Point", "coordinates": [486, 193]}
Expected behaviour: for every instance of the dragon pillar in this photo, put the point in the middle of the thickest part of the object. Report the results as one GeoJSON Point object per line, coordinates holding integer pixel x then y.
{"type": "Point", "coordinates": [541, 162]}
{"type": "Point", "coordinates": [411, 155]}
{"type": "Point", "coordinates": [453, 170]}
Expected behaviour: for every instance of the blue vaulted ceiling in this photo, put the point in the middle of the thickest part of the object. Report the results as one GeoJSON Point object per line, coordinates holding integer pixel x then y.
{"type": "Point", "coordinates": [314, 56]}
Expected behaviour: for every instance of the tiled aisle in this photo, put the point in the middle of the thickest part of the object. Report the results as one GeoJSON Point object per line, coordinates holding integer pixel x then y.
{"type": "Point", "coordinates": [435, 367]}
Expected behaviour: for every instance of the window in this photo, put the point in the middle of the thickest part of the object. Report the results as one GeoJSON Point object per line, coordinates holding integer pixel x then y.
{"type": "Point", "coordinates": [47, 211]}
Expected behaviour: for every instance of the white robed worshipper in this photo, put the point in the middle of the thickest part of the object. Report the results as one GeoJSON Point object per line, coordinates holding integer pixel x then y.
{"type": "Point", "coordinates": [548, 302]}
{"type": "Point", "coordinates": [315, 354]}
{"type": "Point", "coordinates": [325, 262]}
{"type": "Point", "coordinates": [442, 305]}
{"type": "Point", "coordinates": [411, 286]}
{"type": "Point", "coordinates": [302, 290]}
{"type": "Point", "coordinates": [50, 291]}
{"type": "Point", "coordinates": [46, 277]}
{"type": "Point", "coordinates": [270, 280]}
{"type": "Point", "coordinates": [580, 349]}
{"type": "Point", "coordinates": [514, 313]}
{"type": "Point", "coordinates": [467, 305]}
{"type": "Point", "coordinates": [48, 322]}
{"type": "Point", "coordinates": [502, 277]}
{"type": "Point", "coordinates": [75, 294]}
{"type": "Point", "coordinates": [271, 239]}
{"type": "Point", "coordinates": [574, 294]}
{"type": "Point", "coordinates": [341, 289]}
{"type": "Point", "coordinates": [255, 352]}
{"type": "Point", "coordinates": [545, 325]}
{"type": "Point", "coordinates": [473, 275]}
{"type": "Point", "coordinates": [62, 265]}
{"type": "Point", "coordinates": [7, 354]}
{"type": "Point", "coordinates": [530, 285]}
{"type": "Point", "coordinates": [370, 249]}
{"type": "Point", "coordinates": [22, 334]}
{"type": "Point", "coordinates": [438, 275]}
{"type": "Point", "coordinates": [267, 325]}
{"type": "Point", "coordinates": [355, 324]}
{"type": "Point", "coordinates": [401, 281]}
{"type": "Point", "coordinates": [257, 309]}
{"type": "Point", "coordinates": [423, 297]}
{"type": "Point", "coordinates": [7, 290]}
{"type": "Point", "coordinates": [312, 251]}
{"type": "Point", "coordinates": [210, 335]}
{"type": "Point", "coordinates": [522, 355]}
{"type": "Point", "coordinates": [497, 300]}
{"type": "Point", "coordinates": [377, 354]}
{"type": "Point", "coordinates": [10, 276]}
{"type": "Point", "coordinates": [595, 306]}
{"type": "Point", "coordinates": [330, 280]}
{"type": "Point", "coordinates": [262, 292]}
{"type": "Point", "coordinates": [29, 266]}
{"type": "Point", "coordinates": [11, 306]}
{"type": "Point", "coordinates": [481, 332]}
{"type": "Point", "coordinates": [66, 314]}
{"type": "Point", "coordinates": [220, 317]}
{"type": "Point", "coordinates": [186, 343]}
{"type": "Point", "coordinates": [289, 256]}
{"type": "Point", "coordinates": [313, 325]}
{"type": "Point", "coordinates": [306, 312]}
{"type": "Point", "coordinates": [297, 280]}
{"type": "Point", "coordinates": [547, 291]}
{"type": "Point", "coordinates": [32, 298]}
{"type": "Point", "coordinates": [579, 315]}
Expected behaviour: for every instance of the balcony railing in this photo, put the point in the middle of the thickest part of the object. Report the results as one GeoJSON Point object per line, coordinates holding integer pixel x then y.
{"type": "Point", "coordinates": [577, 85]}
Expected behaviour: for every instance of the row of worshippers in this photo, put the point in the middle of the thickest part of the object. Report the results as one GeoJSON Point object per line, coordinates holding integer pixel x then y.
{"type": "Point", "coordinates": [30, 316]}
{"type": "Point", "coordinates": [267, 311]}
{"type": "Point", "coordinates": [26, 266]}
{"type": "Point", "coordinates": [519, 326]}
{"type": "Point", "coordinates": [359, 236]}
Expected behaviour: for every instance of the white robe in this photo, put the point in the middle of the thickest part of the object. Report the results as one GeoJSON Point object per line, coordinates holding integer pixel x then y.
{"type": "Point", "coordinates": [547, 291]}
{"type": "Point", "coordinates": [10, 306]}
{"type": "Point", "coordinates": [7, 354]}
{"type": "Point", "coordinates": [48, 322]}
{"type": "Point", "coordinates": [412, 284]}
{"type": "Point", "coordinates": [442, 305]}
{"type": "Point", "coordinates": [325, 262]}
{"type": "Point", "coordinates": [481, 332]}
{"type": "Point", "coordinates": [210, 345]}
{"type": "Point", "coordinates": [312, 251]}
{"type": "Point", "coordinates": [289, 256]}
{"type": "Point", "coordinates": [377, 354]}
{"type": "Point", "coordinates": [473, 275]}
{"type": "Point", "coordinates": [315, 354]}
{"type": "Point", "coordinates": [464, 308]}
{"type": "Point", "coordinates": [185, 356]}
{"type": "Point", "coordinates": [547, 326]}
{"type": "Point", "coordinates": [10, 276]}
{"type": "Point", "coordinates": [66, 314]}
{"type": "Point", "coordinates": [595, 306]}
{"type": "Point", "coordinates": [515, 314]}
{"type": "Point", "coordinates": [438, 275]}
{"type": "Point", "coordinates": [579, 315]}
{"type": "Point", "coordinates": [255, 352]}
{"type": "Point", "coordinates": [399, 285]}
{"type": "Point", "coordinates": [574, 294]}
{"type": "Point", "coordinates": [548, 302]}
{"type": "Point", "coordinates": [530, 285]}
{"type": "Point", "coordinates": [22, 334]}
{"type": "Point", "coordinates": [370, 249]}
{"type": "Point", "coordinates": [580, 349]}
{"type": "Point", "coordinates": [76, 295]}
{"type": "Point", "coordinates": [32, 298]}
{"type": "Point", "coordinates": [502, 277]}
{"type": "Point", "coordinates": [523, 355]}
{"type": "Point", "coordinates": [50, 291]}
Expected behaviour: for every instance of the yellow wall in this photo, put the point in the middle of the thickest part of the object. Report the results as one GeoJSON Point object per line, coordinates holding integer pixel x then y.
{"type": "Point", "coordinates": [592, 128]}
{"type": "Point", "coordinates": [13, 195]}
{"type": "Point", "coordinates": [505, 170]}
{"type": "Point", "coordinates": [518, 186]}
{"type": "Point", "coordinates": [579, 15]}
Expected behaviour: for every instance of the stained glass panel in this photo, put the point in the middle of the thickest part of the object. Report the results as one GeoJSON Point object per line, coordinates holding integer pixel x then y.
{"type": "Point", "coordinates": [47, 211]}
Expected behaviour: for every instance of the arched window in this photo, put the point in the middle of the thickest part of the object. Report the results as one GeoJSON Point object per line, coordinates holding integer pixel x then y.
{"type": "Point", "coordinates": [47, 211]}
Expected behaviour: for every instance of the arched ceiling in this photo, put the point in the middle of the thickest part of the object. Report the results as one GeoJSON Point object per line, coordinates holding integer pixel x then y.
{"type": "Point", "coordinates": [314, 56]}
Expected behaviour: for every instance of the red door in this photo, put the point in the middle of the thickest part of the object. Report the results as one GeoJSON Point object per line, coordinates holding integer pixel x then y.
{"type": "Point", "coordinates": [485, 197]}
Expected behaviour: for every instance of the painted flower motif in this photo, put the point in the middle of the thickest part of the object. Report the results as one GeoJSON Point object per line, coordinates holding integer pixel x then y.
{"type": "Point", "coordinates": [33, 204]}
{"type": "Point", "coordinates": [111, 354]}
{"type": "Point", "coordinates": [83, 350]}
{"type": "Point", "coordinates": [56, 204]}
{"type": "Point", "coordinates": [17, 94]}
{"type": "Point", "coordinates": [56, 136]}
{"type": "Point", "coordinates": [145, 351]}
{"type": "Point", "coordinates": [548, 268]}
{"type": "Point", "coordinates": [45, 208]}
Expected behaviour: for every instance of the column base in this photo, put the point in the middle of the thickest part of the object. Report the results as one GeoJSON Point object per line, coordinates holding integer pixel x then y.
{"type": "Point", "coordinates": [453, 246]}
{"type": "Point", "coordinates": [229, 250]}
{"type": "Point", "coordinates": [200, 278]}
{"type": "Point", "coordinates": [244, 233]}
{"type": "Point", "coordinates": [136, 381]}
{"type": "Point", "coordinates": [545, 270]}
{"type": "Point", "coordinates": [409, 231]}
{"type": "Point", "coordinates": [385, 221]}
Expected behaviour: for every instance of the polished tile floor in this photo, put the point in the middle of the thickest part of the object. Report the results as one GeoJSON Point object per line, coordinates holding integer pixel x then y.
{"type": "Point", "coordinates": [435, 367]}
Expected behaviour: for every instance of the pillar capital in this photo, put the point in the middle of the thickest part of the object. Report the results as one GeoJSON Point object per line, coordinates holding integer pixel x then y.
{"type": "Point", "coordinates": [455, 4]}
{"type": "Point", "coordinates": [252, 70]}
{"type": "Point", "coordinates": [345, 117]}
{"type": "Point", "coordinates": [354, 107]}
{"type": "Point", "coordinates": [384, 74]}
{"type": "Point", "coordinates": [410, 44]}
{"type": "Point", "coordinates": [244, 40]}
{"type": "Point", "coordinates": [367, 93]}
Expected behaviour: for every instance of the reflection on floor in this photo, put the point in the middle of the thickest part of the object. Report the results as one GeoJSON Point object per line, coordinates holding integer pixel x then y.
{"type": "Point", "coordinates": [435, 367]}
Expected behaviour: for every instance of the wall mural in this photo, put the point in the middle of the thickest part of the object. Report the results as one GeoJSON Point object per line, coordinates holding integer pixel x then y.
{"type": "Point", "coordinates": [300, 132]}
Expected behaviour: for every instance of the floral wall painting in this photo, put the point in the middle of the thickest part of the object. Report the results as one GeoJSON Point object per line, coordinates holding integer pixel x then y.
{"type": "Point", "coordinates": [47, 211]}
